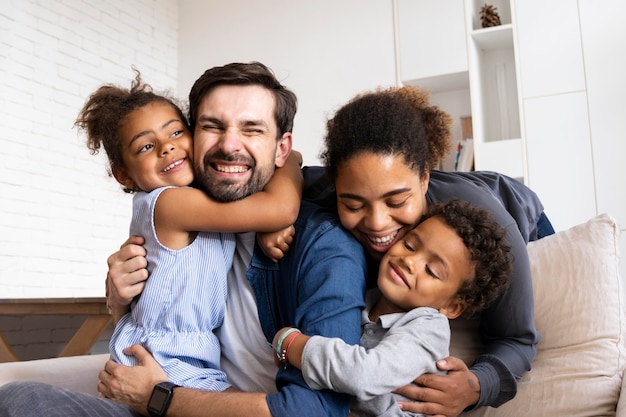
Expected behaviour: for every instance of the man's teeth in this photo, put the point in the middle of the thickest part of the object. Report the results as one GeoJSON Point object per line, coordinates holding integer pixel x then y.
{"type": "Point", "coordinates": [175, 164]}
{"type": "Point", "coordinates": [385, 240]}
{"type": "Point", "coordinates": [231, 168]}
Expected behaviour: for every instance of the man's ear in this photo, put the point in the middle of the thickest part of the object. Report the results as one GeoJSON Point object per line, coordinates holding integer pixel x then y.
{"type": "Point", "coordinates": [283, 149]}
{"type": "Point", "coordinates": [122, 177]}
{"type": "Point", "coordinates": [454, 309]}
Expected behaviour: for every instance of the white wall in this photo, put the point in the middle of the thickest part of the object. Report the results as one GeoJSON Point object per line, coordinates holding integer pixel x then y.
{"type": "Point", "coordinates": [326, 51]}
{"type": "Point", "coordinates": [61, 215]}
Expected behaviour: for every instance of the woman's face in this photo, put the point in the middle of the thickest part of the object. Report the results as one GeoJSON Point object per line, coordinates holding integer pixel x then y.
{"type": "Point", "coordinates": [379, 199]}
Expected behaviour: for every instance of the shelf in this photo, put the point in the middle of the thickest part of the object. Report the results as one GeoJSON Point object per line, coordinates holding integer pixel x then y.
{"type": "Point", "coordinates": [442, 83]}
{"type": "Point", "coordinates": [503, 156]}
{"type": "Point", "coordinates": [494, 38]}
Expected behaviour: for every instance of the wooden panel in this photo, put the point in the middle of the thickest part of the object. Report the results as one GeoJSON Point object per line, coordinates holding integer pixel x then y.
{"type": "Point", "coordinates": [6, 353]}
{"type": "Point", "coordinates": [86, 335]}
{"type": "Point", "coordinates": [96, 321]}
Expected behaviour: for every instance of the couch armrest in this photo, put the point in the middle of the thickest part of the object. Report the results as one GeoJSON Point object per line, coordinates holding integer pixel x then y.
{"type": "Point", "coordinates": [621, 402]}
{"type": "Point", "coordinates": [79, 373]}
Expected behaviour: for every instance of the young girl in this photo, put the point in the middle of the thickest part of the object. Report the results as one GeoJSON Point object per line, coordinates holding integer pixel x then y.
{"type": "Point", "coordinates": [150, 151]}
{"type": "Point", "coordinates": [455, 261]}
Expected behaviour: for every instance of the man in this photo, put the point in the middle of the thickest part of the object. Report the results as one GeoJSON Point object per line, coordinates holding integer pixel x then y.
{"type": "Point", "coordinates": [242, 119]}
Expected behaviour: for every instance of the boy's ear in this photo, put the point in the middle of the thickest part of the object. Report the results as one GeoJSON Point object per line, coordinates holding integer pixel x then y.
{"type": "Point", "coordinates": [122, 177]}
{"type": "Point", "coordinates": [454, 309]}
{"type": "Point", "coordinates": [283, 149]}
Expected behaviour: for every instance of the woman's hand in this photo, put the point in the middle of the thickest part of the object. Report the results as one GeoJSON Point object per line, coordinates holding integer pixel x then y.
{"type": "Point", "coordinates": [131, 385]}
{"type": "Point", "coordinates": [127, 276]}
{"type": "Point", "coordinates": [443, 395]}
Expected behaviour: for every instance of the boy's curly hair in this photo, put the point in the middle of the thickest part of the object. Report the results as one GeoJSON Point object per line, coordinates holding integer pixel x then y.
{"type": "Point", "coordinates": [489, 249]}
{"type": "Point", "coordinates": [392, 121]}
{"type": "Point", "coordinates": [107, 108]}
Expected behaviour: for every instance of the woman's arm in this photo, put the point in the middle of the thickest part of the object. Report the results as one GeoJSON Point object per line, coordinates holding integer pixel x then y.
{"type": "Point", "coordinates": [274, 208]}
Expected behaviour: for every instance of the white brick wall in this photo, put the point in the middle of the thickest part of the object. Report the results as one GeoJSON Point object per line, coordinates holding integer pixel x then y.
{"type": "Point", "coordinates": [60, 214]}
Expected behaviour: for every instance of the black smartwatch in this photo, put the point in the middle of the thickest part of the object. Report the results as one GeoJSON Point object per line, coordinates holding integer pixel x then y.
{"type": "Point", "coordinates": [160, 399]}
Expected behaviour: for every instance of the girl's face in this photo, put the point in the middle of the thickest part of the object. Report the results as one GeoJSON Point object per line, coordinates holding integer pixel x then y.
{"type": "Point", "coordinates": [426, 269]}
{"type": "Point", "coordinates": [379, 199]}
{"type": "Point", "coordinates": [157, 148]}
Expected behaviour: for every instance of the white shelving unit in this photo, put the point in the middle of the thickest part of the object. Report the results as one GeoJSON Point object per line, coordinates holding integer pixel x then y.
{"type": "Point", "coordinates": [493, 80]}
{"type": "Point", "coordinates": [483, 73]}
{"type": "Point", "coordinates": [555, 118]}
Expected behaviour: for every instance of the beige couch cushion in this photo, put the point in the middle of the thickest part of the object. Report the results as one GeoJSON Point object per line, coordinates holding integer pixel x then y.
{"type": "Point", "coordinates": [78, 373]}
{"type": "Point", "coordinates": [580, 314]}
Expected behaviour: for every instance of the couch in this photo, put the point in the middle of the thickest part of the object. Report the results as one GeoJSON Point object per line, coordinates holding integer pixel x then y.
{"type": "Point", "coordinates": [579, 368]}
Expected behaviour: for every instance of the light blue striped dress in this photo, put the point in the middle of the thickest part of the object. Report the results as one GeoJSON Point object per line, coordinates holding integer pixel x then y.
{"type": "Point", "coordinates": [182, 304]}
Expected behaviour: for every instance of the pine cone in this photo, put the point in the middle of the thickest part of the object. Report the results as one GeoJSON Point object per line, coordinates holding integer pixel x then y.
{"type": "Point", "coordinates": [489, 16]}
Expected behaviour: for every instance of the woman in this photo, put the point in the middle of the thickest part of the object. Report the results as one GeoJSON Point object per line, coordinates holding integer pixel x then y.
{"type": "Point", "coordinates": [380, 148]}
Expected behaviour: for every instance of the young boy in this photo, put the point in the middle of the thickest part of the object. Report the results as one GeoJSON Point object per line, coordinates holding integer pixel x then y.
{"type": "Point", "coordinates": [455, 261]}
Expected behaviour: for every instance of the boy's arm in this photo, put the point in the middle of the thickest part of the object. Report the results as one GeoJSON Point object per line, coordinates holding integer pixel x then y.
{"type": "Point", "coordinates": [321, 292]}
{"type": "Point", "coordinates": [274, 208]}
{"type": "Point", "coordinates": [411, 347]}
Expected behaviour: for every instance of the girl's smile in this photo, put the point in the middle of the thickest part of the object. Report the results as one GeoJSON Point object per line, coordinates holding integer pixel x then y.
{"type": "Point", "coordinates": [157, 148]}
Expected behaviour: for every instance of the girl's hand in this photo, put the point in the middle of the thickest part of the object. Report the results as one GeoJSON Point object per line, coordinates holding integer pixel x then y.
{"type": "Point", "coordinates": [275, 244]}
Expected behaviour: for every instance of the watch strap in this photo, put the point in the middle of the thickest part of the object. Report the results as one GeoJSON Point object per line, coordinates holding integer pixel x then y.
{"type": "Point", "coordinates": [161, 398]}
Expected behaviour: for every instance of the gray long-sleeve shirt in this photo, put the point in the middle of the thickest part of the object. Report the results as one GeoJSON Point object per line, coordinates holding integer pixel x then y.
{"type": "Point", "coordinates": [392, 352]}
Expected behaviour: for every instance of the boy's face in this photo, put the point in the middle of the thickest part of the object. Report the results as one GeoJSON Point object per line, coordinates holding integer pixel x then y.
{"type": "Point", "coordinates": [426, 269]}
{"type": "Point", "coordinates": [157, 148]}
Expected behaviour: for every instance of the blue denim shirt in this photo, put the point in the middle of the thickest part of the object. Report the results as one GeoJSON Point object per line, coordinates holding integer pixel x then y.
{"type": "Point", "coordinates": [318, 287]}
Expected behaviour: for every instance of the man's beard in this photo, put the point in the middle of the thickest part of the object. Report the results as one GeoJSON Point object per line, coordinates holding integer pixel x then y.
{"type": "Point", "coordinates": [225, 190]}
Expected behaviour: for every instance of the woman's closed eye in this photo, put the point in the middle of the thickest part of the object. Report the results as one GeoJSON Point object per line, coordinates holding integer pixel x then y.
{"type": "Point", "coordinates": [397, 203]}
{"type": "Point", "coordinates": [352, 207]}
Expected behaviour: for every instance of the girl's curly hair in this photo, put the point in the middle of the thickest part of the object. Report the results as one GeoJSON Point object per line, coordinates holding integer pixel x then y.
{"type": "Point", "coordinates": [392, 121]}
{"type": "Point", "coordinates": [107, 108]}
{"type": "Point", "coordinates": [489, 249]}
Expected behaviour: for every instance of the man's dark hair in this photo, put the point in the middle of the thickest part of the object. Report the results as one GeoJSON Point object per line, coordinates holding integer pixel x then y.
{"type": "Point", "coordinates": [252, 73]}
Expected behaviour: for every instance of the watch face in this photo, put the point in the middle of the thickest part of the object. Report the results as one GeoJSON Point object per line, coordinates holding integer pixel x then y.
{"type": "Point", "coordinates": [158, 399]}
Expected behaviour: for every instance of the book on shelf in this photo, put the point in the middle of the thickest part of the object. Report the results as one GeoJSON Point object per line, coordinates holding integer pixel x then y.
{"type": "Point", "coordinates": [464, 161]}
